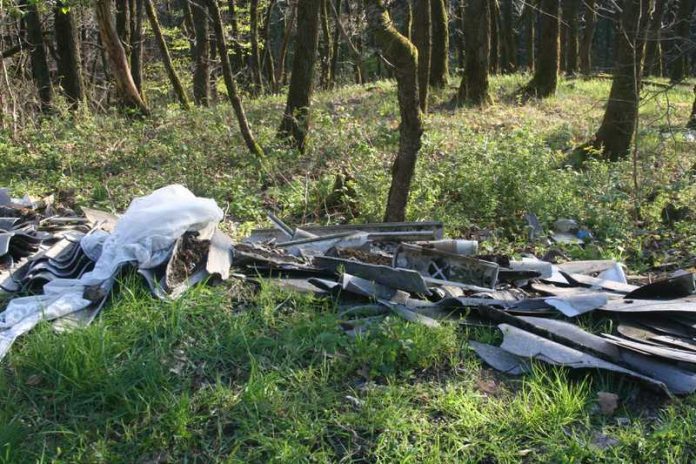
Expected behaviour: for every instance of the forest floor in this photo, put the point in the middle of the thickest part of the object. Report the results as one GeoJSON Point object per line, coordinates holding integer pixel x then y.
{"type": "Point", "coordinates": [224, 377]}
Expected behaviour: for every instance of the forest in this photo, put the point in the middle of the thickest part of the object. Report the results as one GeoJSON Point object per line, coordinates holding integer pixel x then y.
{"type": "Point", "coordinates": [560, 132]}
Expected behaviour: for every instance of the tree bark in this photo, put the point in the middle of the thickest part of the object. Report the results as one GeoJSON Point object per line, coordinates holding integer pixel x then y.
{"type": "Point", "coordinates": [231, 85]}
{"type": "Point", "coordinates": [354, 51]}
{"type": "Point", "coordinates": [123, 24]}
{"type": "Point", "coordinates": [39, 62]}
{"type": "Point", "coordinates": [653, 47]}
{"type": "Point", "coordinates": [545, 79]}
{"type": "Point", "coordinates": [509, 55]}
{"type": "Point", "coordinates": [474, 86]}
{"type": "Point", "coordinates": [616, 133]}
{"type": "Point", "coordinates": [324, 76]}
{"type": "Point", "coordinates": [530, 18]}
{"type": "Point", "coordinates": [692, 120]}
{"type": "Point", "coordinates": [201, 51]}
{"type": "Point", "coordinates": [336, 47]}
{"type": "Point", "coordinates": [166, 57]}
{"type": "Point", "coordinates": [255, 59]}
{"type": "Point", "coordinates": [439, 57]}
{"type": "Point", "coordinates": [404, 56]}
{"type": "Point", "coordinates": [422, 39]}
{"type": "Point", "coordinates": [572, 39]}
{"type": "Point", "coordinates": [588, 36]}
{"type": "Point", "coordinates": [68, 47]}
{"type": "Point", "coordinates": [494, 20]}
{"type": "Point", "coordinates": [280, 69]}
{"type": "Point", "coordinates": [267, 63]}
{"type": "Point", "coordinates": [295, 121]}
{"type": "Point", "coordinates": [136, 36]}
{"type": "Point", "coordinates": [681, 43]}
{"type": "Point", "coordinates": [116, 56]}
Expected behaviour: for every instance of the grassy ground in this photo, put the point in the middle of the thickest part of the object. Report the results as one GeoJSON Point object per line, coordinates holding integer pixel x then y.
{"type": "Point", "coordinates": [219, 377]}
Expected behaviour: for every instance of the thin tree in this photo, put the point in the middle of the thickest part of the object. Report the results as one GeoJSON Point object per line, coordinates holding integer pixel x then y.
{"type": "Point", "coordinates": [267, 62]}
{"type": "Point", "coordinates": [494, 21]}
{"type": "Point", "coordinates": [653, 46]}
{"type": "Point", "coordinates": [403, 55]}
{"type": "Point", "coordinates": [422, 39]}
{"type": "Point", "coordinates": [295, 123]}
{"type": "Point", "coordinates": [509, 46]}
{"type": "Point", "coordinates": [681, 43]}
{"type": "Point", "coordinates": [201, 51]}
{"type": "Point", "coordinates": [255, 59]}
{"type": "Point", "coordinates": [232, 92]}
{"type": "Point", "coordinates": [590, 20]}
{"type": "Point", "coordinates": [572, 38]}
{"type": "Point", "coordinates": [289, 24]}
{"type": "Point", "coordinates": [123, 23]}
{"type": "Point", "coordinates": [439, 57]}
{"type": "Point", "coordinates": [166, 57]}
{"type": "Point", "coordinates": [530, 18]}
{"type": "Point", "coordinates": [237, 51]}
{"type": "Point", "coordinates": [136, 37]}
{"type": "Point", "coordinates": [336, 46]}
{"type": "Point", "coordinates": [37, 51]}
{"type": "Point", "coordinates": [692, 120]}
{"type": "Point", "coordinates": [474, 86]}
{"type": "Point", "coordinates": [618, 127]}
{"type": "Point", "coordinates": [68, 50]}
{"type": "Point", "coordinates": [326, 48]}
{"type": "Point", "coordinates": [116, 57]}
{"type": "Point", "coordinates": [545, 79]}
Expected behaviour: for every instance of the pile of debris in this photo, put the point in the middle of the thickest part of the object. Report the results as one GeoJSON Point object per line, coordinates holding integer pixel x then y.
{"type": "Point", "coordinates": [370, 270]}
{"type": "Point", "coordinates": [409, 269]}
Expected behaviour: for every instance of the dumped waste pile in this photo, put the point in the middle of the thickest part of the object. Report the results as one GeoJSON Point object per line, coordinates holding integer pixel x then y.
{"type": "Point", "coordinates": [371, 271]}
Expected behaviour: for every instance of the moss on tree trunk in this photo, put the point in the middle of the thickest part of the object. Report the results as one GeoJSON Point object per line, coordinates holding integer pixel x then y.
{"type": "Point", "coordinates": [403, 55]}
{"type": "Point", "coordinates": [422, 39]}
{"type": "Point", "coordinates": [474, 86]}
{"type": "Point", "coordinates": [166, 57]}
{"type": "Point", "coordinates": [295, 123]}
{"type": "Point", "coordinates": [545, 79]}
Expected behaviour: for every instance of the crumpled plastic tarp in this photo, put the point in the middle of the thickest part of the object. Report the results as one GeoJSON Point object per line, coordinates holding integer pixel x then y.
{"type": "Point", "coordinates": [144, 235]}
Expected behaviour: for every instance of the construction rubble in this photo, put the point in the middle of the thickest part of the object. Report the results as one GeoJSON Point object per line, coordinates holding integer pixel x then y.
{"type": "Point", "coordinates": [60, 266]}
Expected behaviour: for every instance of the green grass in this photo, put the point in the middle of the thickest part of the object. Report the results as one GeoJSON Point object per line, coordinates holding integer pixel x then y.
{"type": "Point", "coordinates": [224, 377]}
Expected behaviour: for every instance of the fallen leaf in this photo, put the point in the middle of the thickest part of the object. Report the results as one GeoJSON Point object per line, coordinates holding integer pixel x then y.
{"type": "Point", "coordinates": [608, 402]}
{"type": "Point", "coordinates": [34, 380]}
{"type": "Point", "coordinates": [489, 387]}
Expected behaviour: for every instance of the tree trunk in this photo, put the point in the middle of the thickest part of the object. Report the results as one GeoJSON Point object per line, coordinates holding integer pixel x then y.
{"type": "Point", "coordinates": [267, 58]}
{"type": "Point", "coordinates": [231, 85]}
{"type": "Point", "coordinates": [509, 56]}
{"type": "Point", "coordinates": [166, 57]}
{"type": "Point", "coordinates": [295, 121]}
{"type": "Point", "coordinates": [255, 59]}
{"type": "Point", "coordinates": [615, 135]}
{"type": "Point", "coordinates": [474, 86]}
{"type": "Point", "coordinates": [404, 56]}
{"type": "Point", "coordinates": [237, 52]}
{"type": "Point", "coordinates": [354, 51]}
{"type": "Point", "coordinates": [681, 43]}
{"type": "Point", "coordinates": [545, 79]}
{"type": "Point", "coordinates": [530, 18]}
{"type": "Point", "coordinates": [336, 47]}
{"type": "Point", "coordinates": [572, 43]}
{"type": "Point", "coordinates": [324, 76]}
{"type": "Point", "coordinates": [39, 62]}
{"type": "Point", "coordinates": [116, 56]}
{"type": "Point", "coordinates": [439, 57]}
{"type": "Point", "coordinates": [653, 47]}
{"type": "Point", "coordinates": [136, 34]}
{"type": "Point", "coordinates": [123, 24]}
{"type": "Point", "coordinates": [563, 50]}
{"type": "Point", "coordinates": [494, 21]}
{"type": "Point", "coordinates": [422, 39]}
{"type": "Point", "coordinates": [68, 47]}
{"type": "Point", "coordinates": [201, 51]}
{"type": "Point", "coordinates": [692, 120]}
{"type": "Point", "coordinates": [280, 69]}
{"type": "Point", "coordinates": [588, 36]}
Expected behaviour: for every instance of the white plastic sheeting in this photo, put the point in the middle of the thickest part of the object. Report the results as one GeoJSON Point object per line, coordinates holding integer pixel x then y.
{"type": "Point", "coordinates": [144, 235]}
